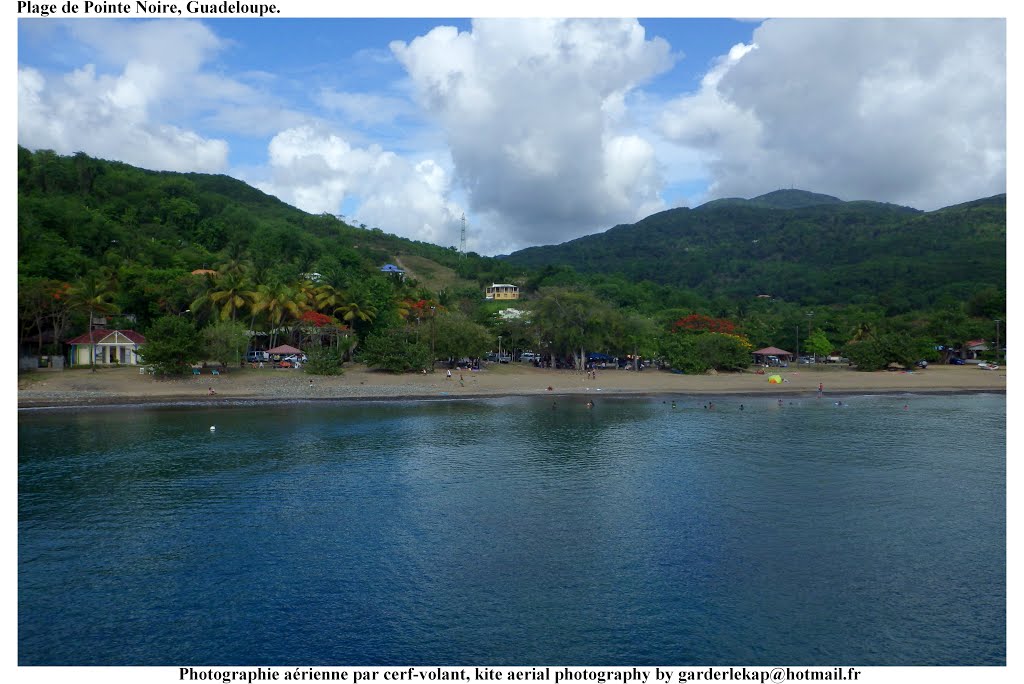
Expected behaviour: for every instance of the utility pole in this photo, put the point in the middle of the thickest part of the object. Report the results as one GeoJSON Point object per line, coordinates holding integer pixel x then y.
{"type": "Point", "coordinates": [433, 356]}
{"type": "Point", "coordinates": [998, 321]}
{"type": "Point", "coordinates": [462, 239]}
{"type": "Point", "coordinates": [810, 315]}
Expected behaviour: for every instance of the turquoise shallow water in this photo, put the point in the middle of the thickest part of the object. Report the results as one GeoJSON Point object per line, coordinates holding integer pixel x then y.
{"type": "Point", "coordinates": [508, 532]}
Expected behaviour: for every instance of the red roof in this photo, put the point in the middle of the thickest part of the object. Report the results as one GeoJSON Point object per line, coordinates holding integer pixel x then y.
{"type": "Point", "coordinates": [773, 351]}
{"type": "Point", "coordinates": [284, 349]}
{"type": "Point", "coordinates": [97, 336]}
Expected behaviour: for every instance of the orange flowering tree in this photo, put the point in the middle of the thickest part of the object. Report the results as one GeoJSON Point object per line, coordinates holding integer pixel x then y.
{"type": "Point", "coordinates": [699, 343]}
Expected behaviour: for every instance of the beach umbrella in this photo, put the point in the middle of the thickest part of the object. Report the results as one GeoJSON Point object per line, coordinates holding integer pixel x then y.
{"type": "Point", "coordinates": [775, 379]}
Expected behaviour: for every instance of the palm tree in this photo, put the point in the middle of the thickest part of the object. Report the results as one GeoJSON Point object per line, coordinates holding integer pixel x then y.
{"type": "Point", "coordinates": [352, 313]}
{"type": "Point", "coordinates": [279, 303]}
{"type": "Point", "coordinates": [230, 295]}
{"type": "Point", "coordinates": [328, 298]}
{"type": "Point", "coordinates": [93, 294]}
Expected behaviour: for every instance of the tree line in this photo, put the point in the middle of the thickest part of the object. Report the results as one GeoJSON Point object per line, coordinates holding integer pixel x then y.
{"type": "Point", "coordinates": [206, 262]}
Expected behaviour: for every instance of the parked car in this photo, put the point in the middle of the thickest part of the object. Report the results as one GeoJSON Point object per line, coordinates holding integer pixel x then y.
{"type": "Point", "coordinates": [956, 361]}
{"type": "Point", "coordinates": [255, 356]}
{"type": "Point", "coordinates": [529, 356]}
{"type": "Point", "coordinates": [921, 364]}
{"type": "Point", "coordinates": [301, 358]}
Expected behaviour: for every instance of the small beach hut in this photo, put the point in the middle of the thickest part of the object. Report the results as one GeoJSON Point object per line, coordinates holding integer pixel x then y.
{"type": "Point", "coordinates": [283, 350]}
{"type": "Point", "coordinates": [106, 348]}
{"type": "Point", "coordinates": [761, 355]}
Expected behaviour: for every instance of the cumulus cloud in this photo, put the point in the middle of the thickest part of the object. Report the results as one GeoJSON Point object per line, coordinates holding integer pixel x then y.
{"type": "Point", "coordinates": [909, 111]}
{"type": "Point", "coordinates": [123, 114]}
{"type": "Point", "coordinates": [316, 170]}
{"type": "Point", "coordinates": [532, 111]}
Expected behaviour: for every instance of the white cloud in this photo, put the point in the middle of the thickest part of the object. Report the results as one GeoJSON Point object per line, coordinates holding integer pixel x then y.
{"type": "Point", "coordinates": [106, 117]}
{"type": "Point", "coordinates": [907, 111]}
{"type": "Point", "coordinates": [365, 108]}
{"type": "Point", "coordinates": [121, 115]}
{"type": "Point", "coordinates": [531, 111]}
{"type": "Point", "coordinates": [317, 170]}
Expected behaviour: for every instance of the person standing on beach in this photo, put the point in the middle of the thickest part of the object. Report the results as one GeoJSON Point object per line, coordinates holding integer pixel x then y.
{"type": "Point", "coordinates": [449, 373]}
{"type": "Point", "coordinates": [821, 388]}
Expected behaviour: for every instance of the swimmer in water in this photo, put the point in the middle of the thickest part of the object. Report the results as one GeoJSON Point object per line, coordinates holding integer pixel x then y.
{"type": "Point", "coordinates": [780, 403]}
{"type": "Point", "coordinates": [590, 404]}
{"type": "Point", "coordinates": [673, 404]}
{"type": "Point", "coordinates": [741, 407]}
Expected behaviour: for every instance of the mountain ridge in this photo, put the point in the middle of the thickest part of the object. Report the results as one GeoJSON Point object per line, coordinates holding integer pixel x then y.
{"type": "Point", "coordinates": [813, 243]}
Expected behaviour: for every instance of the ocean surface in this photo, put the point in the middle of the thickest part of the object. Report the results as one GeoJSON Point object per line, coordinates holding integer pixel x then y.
{"type": "Point", "coordinates": [516, 532]}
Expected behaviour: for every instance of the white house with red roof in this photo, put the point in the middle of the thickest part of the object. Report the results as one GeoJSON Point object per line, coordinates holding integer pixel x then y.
{"type": "Point", "coordinates": [109, 347]}
{"type": "Point", "coordinates": [973, 347]}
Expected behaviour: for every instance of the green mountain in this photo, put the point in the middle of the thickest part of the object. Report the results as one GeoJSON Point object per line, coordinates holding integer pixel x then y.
{"type": "Point", "coordinates": [146, 232]}
{"type": "Point", "coordinates": [802, 247]}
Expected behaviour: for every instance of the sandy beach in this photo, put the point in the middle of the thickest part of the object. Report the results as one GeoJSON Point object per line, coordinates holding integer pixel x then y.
{"type": "Point", "coordinates": [80, 387]}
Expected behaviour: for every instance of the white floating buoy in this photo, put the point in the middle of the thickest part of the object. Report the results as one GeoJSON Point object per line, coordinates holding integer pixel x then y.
{"type": "Point", "coordinates": [213, 428]}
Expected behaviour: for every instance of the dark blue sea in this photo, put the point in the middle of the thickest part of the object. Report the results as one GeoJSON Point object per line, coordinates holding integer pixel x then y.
{"type": "Point", "coordinates": [512, 532]}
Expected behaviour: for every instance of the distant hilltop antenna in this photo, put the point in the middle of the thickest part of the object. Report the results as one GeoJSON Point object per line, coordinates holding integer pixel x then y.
{"type": "Point", "coordinates": [462, 238]}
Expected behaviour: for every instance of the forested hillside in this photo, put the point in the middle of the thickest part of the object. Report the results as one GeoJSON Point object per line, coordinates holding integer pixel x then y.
{"type": "Point", "coordinates": [802, 247]}
{"type": "Point", "coordinates": [181, 257]}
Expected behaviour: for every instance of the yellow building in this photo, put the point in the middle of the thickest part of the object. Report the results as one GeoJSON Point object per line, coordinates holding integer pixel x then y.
{"type": "Point", "coordinates": [501, 291]}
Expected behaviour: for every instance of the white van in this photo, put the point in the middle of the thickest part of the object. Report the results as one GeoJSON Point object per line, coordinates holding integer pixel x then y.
{"type": "Point", "coordinates": [529, 357]}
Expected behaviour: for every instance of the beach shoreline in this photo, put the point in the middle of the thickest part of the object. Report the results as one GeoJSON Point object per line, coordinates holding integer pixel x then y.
{"type": "Point", "coordinates": [108, 387]}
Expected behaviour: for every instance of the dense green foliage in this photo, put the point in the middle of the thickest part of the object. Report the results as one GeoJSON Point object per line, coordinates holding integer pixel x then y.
{"type": "Point", "coordinates": [172, 346]}
{"type": "Point", "coordinates": [455, 337]}
{"type": "Point", "coordinates": [701, 352]}
{"type": "Point", "coordinates": [397, 350]}
{"type": "Point", "coordinates": [805, 248]}
{"type": "Point", "coordinates": [877, 352]}
{"type": "Point", "coordinates": [324, 361]}
{"type": "Point", "coordinates": [225, 342]}
{"type": "Point", "coordinates": [159, 252]}
{"type": "Point", "coordinates": [818, 345]}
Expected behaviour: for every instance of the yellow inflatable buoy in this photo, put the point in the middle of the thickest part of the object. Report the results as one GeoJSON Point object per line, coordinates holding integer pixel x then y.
{"type": "Point", "coordinates": [775, 379]}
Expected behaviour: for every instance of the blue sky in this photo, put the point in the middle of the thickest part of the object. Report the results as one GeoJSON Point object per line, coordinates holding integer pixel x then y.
{"type": "Point", "coordinates": [538, 131]}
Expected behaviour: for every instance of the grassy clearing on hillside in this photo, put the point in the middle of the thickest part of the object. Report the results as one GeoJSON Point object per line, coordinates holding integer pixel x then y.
{"type": "Point", "coordinates": [432, 275]}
